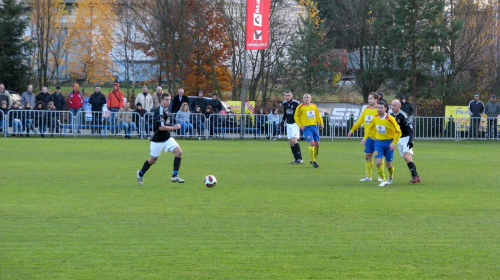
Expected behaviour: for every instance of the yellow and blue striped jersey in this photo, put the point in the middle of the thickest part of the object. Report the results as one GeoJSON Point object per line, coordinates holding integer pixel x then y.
{"type": "Point", "coordinates": [306, 115]}
{"type": "Point", "coordinates": [385, 128]}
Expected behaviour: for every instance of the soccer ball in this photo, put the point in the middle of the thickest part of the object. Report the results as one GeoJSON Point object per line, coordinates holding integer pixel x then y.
{"type": "Point", "coordinates": [210, 181]}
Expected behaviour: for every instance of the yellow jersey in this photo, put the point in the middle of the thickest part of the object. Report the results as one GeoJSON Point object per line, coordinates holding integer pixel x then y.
{"type": "Point", "coordinates": [364, 119]}
{"type": "Point", "coordinates": [306, 115]}
{"type": "Point", "coordinates": [385, 128]}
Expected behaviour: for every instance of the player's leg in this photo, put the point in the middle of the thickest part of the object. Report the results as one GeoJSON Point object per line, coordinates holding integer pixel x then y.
{"type": "Point", "coordinates": [173, 147]}
{"type": "Point", "coordinates": [155, 150]}
{"type": "Point", "coordinates": [369, 149]}
{"type": "Point", "coordinates": [379, 153]}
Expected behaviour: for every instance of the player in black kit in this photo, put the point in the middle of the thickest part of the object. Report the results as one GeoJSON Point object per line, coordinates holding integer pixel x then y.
{"type": "Point", "coordinates": [161, 141]}
{"type": "Point", "coordinates": [292, 129]}
{"type": "Point", "coordinates": [405, 144]}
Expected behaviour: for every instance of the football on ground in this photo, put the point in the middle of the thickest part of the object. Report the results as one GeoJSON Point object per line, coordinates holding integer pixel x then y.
{"type": "Point", "coordinates": [210, 181]}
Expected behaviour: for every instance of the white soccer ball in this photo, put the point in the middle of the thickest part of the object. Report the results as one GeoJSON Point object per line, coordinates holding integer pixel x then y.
{"type": "Point", "coordinates": [210, 181]}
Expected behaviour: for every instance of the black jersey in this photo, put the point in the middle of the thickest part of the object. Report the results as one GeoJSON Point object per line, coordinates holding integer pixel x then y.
{"type": "Point", "coordinates": [289, 110]}
{"type": "Point", "coordinates": [405, 124]}
{"type": "Point", "coordinates": [160, 118]}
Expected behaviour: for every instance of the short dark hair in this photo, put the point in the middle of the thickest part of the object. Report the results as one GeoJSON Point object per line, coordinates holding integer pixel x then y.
{"type": "Point", "coordinates": [164, 95]}
{"type": "Point", "coordinates": [58, 87]}
{"type": "Point", "coordinates": [385, 105]}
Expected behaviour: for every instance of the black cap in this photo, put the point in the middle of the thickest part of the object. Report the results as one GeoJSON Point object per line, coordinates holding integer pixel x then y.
{"type": "Point", "coordinates": [58, 87]}
{"type": "Point", "coordinates": [403, 97]}
{"type": "Point", "coordinates": [138, 104]}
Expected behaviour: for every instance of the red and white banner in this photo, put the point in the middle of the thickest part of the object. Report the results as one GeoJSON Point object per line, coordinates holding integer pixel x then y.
{"type": "Point", "coordinates": [257, 29]}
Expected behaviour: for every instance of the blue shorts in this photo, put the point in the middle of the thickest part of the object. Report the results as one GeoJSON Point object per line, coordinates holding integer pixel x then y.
{"type": "Point", "coordinates": [382, 150]}
{"type": "Point", "coordinates": [369, 145]}
{"type": "Point", "coordinates": [311, 133]}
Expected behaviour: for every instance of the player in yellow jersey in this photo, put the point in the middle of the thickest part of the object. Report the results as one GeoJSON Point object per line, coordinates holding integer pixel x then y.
{"type": "Point", "coordinates": [364, 119]}
{"type": "Point", "coordinates": [387, 133]}
{"type": "Point", "coordinates": [307, 118]}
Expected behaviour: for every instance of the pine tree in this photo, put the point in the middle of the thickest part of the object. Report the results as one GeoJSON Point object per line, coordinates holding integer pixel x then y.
{"type": "Point", "coordinates": [13, 72]}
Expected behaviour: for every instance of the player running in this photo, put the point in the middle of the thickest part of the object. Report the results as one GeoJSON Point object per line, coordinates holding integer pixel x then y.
{"type": "Point", "coordinates": [292, 129]}
{"type": "Point", "coordinates": [387, 134]}
{"type": "Point", "coordinates": [307, 118]}
{"type": "Point", "coordinates": [161, 141]}
{"type": "Point", "coordinates": [405, 144]}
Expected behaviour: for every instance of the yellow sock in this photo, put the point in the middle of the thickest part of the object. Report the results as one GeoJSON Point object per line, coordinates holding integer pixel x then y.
{"type": "Point", "coordinates": [316, 150]}
{"type": "Point", "coordinates": [391, 171]}
{"type": "Point", "coordinates": [380, 171]}
{"type": "Point", "coordinates": [312, 153]}
{"type": "Point", "coordinates": [369, 167]}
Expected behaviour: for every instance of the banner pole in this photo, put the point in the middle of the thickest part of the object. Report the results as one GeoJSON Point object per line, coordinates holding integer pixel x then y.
{"type": "Point", "coordinates": [244, 82]}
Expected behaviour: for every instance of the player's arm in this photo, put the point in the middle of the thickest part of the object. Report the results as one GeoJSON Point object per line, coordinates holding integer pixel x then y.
{"type": "Point", "coordinates": [397, 129]}
{"type": "Point", "coordinates": [319, 119]}
{"type": "Point", "coordinates": [409, 126]}
{"type": "Point", "coordinates": [369, 127]}
{"type": "Point", "coordinates": [296, 116]}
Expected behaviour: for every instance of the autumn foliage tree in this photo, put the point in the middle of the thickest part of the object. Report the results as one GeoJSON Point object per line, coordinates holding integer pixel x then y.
{"type": "Point", "coordinates": [90, 41]}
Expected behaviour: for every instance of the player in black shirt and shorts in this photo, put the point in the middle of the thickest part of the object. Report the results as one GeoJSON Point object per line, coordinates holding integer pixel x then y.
{"type": "Point", "coordinates": [161, 141]}
{"type": "Point", "coordinates": [292, 129]}
{"type": "Point", "coordinates": [405, 143]}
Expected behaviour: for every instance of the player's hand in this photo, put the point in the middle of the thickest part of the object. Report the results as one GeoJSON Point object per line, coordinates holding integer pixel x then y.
{"type": "Point", "coordinates": [410, 145]}
{"type": "Point", "coordinates": [177, 126]}
{"type": "Point", "coordinates": [302, 128]}
{"type": "Point", "coordinates": [363, 141]}
{"type": "Point", "coordinates": [349, 134]}
{"type": "Point", "coordinates": [322, 126]}
{"type": "Point", "coordinates": [392, 146]}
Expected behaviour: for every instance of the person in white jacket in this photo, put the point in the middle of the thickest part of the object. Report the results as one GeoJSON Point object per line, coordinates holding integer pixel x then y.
{"type": "Point", "coordinates": [145, 99]}
{"type": "Point", "coordinates": [274, 120]}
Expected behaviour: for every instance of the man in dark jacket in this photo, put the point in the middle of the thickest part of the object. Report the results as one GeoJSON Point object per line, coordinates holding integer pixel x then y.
{"type": "Point", "coordinates": [406, 106]}
{"type": "Point", "coordinates": [178, 100]}
{"type": "Point", "coordinates": [97, 100]}
{"type": "Point", "coordinates": [216, 104]}
{"type": "Point", "coordinates": [44, 96]}
{"type": "Point", "coordinates": [476, 110]}
{"type": "Point", "coordinates": [59, 100]}
{"type": "Point", "coordinates": [493, 111]}
{"type": "Point", "coordinates": [200, 101]}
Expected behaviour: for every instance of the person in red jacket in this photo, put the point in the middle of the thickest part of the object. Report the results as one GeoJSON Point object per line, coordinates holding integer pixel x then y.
{"type": "Point", "coordinates": [75, 103]}
{"type": "Point", "coordinates": [115, 103]}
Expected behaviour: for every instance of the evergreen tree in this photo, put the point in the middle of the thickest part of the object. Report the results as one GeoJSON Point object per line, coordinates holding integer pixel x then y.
{"type": "Point", "coordinates": [13, 71]}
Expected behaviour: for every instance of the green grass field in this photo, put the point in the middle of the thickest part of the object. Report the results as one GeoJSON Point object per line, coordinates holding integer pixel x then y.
{"type": "Point", "coordinates": [71, 209]}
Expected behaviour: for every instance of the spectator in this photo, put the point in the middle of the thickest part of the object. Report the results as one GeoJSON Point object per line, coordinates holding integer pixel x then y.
{"type": "Point", "coordinates": [5, 96]}
{"type": "Point", "coordinates": [157, 97]}
{"type": "Point", "coordinates": [75, 103]}
{"type": "Point", "coordinates": [198, 121]}
{"type": "Point", "coordinates": [381, 97]}
{"type": "Point", "coordinates": [115, 103]}
{"type": "Point", "coordinates": [28, 96]}
{"type": "Point", "coordinates": [39, 118]}
{"type": "Point", "coordinates": [476, 110]}
{"type": "Point", "coordinates": [145, 99]}
{"type": "Point", "coordinates": [97, 100]}
{"type": "Point", "coordinates": [59, 100]}
{"type": "Point", "coordinates": [141, 114]}
{"type": "Point", "coordinates": [274, 120]}
{"type": "Point", "coordinates": [183, 117]}
{"type": "Point", "coordinates": [178, 100]}
{"type": "Point", "coordinates": [52, 120]}
{"type": "Point", "coordinates": [208, 112]}
{"type": "Point", "coordinates": [125, 118]}
{"type": "Point", "coordinates": [27, 118]}
{"type": "Point", "coordinates": [15, 119]}
{"type": "Point", "coordinates": [5, 110]}
{"type": "Point", "coordinates": [44, 96]}
{"type": "Point", "coordinates": [493, 111]}
{"type": "Point", "coordinates": [200, 102]}
{"type": "Point", "coordinates": [406, 106]}
{"type": "Point", "coordinates": [261, 120]}
{"type": "Point", "coordinates": [216, 104]}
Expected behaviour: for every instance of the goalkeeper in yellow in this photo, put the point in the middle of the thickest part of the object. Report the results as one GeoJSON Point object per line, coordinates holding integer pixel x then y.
{"type": "Point", "coordinates": [364, 119]}
{"type": "Point", "coordinates": [387, 134]}
{"type": "Point", "coordinates": [307, 118]}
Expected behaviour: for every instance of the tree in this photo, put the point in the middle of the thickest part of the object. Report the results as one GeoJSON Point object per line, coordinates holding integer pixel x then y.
{"type": "Point", "coordinates": [90, 41]}
{"type": "Point", "coordinates": [13, 72]}
{"type": "Point", "coordinates": [416, 30]}
{"type": "Point", "coordinates": [355, 25]}
{"type": "Point", "coordinates": [308, 68]}
{"type": "Point", "coordinates": [46, 26]}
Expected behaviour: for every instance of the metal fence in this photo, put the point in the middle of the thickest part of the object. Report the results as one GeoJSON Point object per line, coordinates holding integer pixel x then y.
{"type": "Point", "coordinates": [222, 126]}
